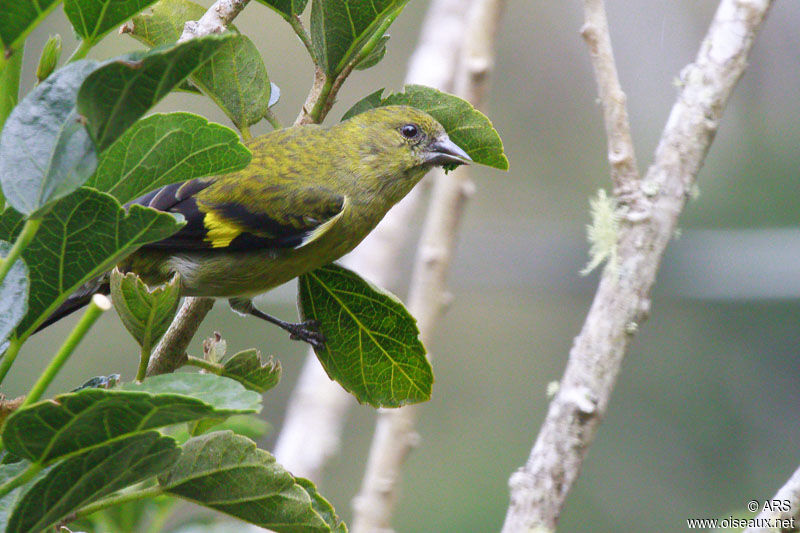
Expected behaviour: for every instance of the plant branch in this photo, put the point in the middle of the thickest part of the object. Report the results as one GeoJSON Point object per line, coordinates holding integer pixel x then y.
{"type": "Point", "coordinates": [317, 408]}
{"type": "Point", "coordinates": [170, 354]}
{"type": "Point", "coordinates": [647, 223]}
{"type": "Point", "coordinates": [621, 154]}
{"type": "Point", "coordinates": [98, 305]}
{"type": "Point", "coordinates": [215, 20]}
{"type": "Point", "coordinates": [790, 492]}
{"type": "Point", "coordinates": [395, 434]}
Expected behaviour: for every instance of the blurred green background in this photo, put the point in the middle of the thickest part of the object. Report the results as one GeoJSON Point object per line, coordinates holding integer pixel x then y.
{"type": "Point", "coordinates": [706, 413]}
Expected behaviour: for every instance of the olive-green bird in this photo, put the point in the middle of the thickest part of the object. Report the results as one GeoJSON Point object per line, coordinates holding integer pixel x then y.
{"type": "Point", "coordinates": [308, 197]}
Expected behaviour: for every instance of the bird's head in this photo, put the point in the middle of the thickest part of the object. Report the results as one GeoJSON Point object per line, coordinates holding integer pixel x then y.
{"type": "Point", "coordinates": [400, 138]}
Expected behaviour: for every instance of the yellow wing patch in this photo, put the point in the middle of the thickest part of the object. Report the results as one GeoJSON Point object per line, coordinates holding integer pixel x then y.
{"type": "Point", "coordinates": [219, 232]}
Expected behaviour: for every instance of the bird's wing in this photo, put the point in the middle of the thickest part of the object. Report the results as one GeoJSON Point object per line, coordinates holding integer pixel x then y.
{"type": "Point", "coordinates": [289, 218]}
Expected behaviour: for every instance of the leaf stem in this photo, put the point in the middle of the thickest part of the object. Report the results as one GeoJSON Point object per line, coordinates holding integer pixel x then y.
{"type": "Point", "coordinates": [297, 25]}
{"type": "Point", "coordinates": [28, 231]}
{"type": "Point", "coordinates": [214, 368]}
{"type": "Point", "coordinates": [118, 499]}
{"type": "Point", "coordinates": [273, 119]}
{"type": "Point", "coordinates": [144, 359]}
{"type": "Point", "coordinates": [97, 306]}
{"type": "Point", "coordinates": [81, 51]}
{"type": "Point", "coordinates": [9, 83]}
{"type": "Point", "coordinates": [20, 480]}
{"type": "Point", "coordinates": [8, 358]}
{"type": "Point", "coordinates": [245, 131]}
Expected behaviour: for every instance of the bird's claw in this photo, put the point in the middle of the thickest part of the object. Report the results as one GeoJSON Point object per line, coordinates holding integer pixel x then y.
{"type": "Point", "coordinates": [308, 331]}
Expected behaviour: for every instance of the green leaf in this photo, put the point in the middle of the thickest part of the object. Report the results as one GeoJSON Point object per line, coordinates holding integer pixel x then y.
{"type": "Point", "coordinates": [247, 368]}
{"type": "Point", "coordinates": [235, 78]}
{"type": "Point", "coordinates": [167, 148]}
{"type": "Point", "coordinates": [115, 95]}
{"type": "Point", "coordinates": [88, 477]}
{"type": "Point", "coordinates": [19, 17]}
{"type": "Point", "coordinates": [374, 57]}
{"type": "Point", "coordinates": [322, 506]}
{"type": "Point", "coordinates": [286, 8]}
{"type": "Point", "coordinates": [228, 473]}
{"type": "Point", "coordinates": [76, 422]}
{"type": "Point", "coordinates": [467, 127]}
{"type": "Point", "coordinates": [94, 18]}
{"type": "Point", "coordinates": [339, 30]}
{"type": "Point", "coordinates": [45, 151]}
{"type": "Point", "coordinates": [145, 312]}
{"type": "Point", "coordinates": [82, 236]}
{"type": "Point", "coordinates": [372, 343]}
{"type": "Point", "coordinates": [13, 295]}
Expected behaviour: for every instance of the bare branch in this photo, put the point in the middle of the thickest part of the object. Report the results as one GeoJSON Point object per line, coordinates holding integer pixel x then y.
{"type": "Point", "coordinates": [316, 411]}
{"type": "Point", "coordinates": [648, 221]}
{"type": "Point", "coordinates": [789, 492]}
{"type": "Point", "coordinates": [395, 434]}
{"type": "Point", "coordinates": [615, 113]}
{"type": "Point", "coordinates": [215, 20]}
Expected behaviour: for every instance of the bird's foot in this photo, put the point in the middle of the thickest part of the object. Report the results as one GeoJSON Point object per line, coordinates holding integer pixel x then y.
{"type": "Point", "coordinates": [307, 331]}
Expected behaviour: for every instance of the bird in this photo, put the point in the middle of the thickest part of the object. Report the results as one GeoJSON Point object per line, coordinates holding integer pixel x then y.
{"type": "Point", "coordinates": [309, 196]}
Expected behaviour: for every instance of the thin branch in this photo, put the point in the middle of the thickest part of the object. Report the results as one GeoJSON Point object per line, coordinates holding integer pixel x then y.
{"type": "Point", "coordinates": [215, 20]}
{"type": "Point", "coordinates": [615, 113]}
{"type": "Point", "coordinates": [317, 408]}
{"type": "Point", "coordinates": [648, 221]}
{"type": "Point", "coordinates": [395, 435]}
{"type": "Point", "coordinates": [781, 518]}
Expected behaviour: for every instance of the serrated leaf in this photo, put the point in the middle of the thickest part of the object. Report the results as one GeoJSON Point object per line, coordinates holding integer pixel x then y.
{"type": "Point", "coordinates": [167, 148]}
{"type": "Point", "coordinates": [73, 423]}
{"type": "Point", "coordinates": [235, 78]}
{"type": "Point", "coordinates": [322, 506]}
{"type": "Point", "coordinates": [247, 368]}
{"type": "Point", "coordinates": [94, 18]}
{"type": "Point", "coordinates": [146, 312]}
{"type": "Point", "coordinates": [466, 126]}
{"type": "Point", "coordinates": [286, 8]}
{"type": "Point", "coordinates": [228, 473]}
{"type": "Point", "coordinates": [82, 236]}
{"type": "Point", "coordinates": [372, 345]}
{"type": "Point", "coordinates": [115, 95]}
{"type": "Point", "coordinates": [374, 57]}
{"type": "Point", "coordinates": [88, 477]}
{"type": "Point", "coordinates": [13, 294]}
{"type": "Point", "coordinates": [19, 17]}
{"type": "Point", "coordinates": [339, 30]}
{"type": "Point", "coordinates": [45, 151]}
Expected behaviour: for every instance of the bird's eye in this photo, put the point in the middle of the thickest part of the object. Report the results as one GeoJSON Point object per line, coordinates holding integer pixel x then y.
{"type": "Point", "coordinates": [409, 131]}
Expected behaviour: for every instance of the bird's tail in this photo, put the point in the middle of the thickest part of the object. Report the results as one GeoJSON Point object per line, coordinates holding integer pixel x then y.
{"type": "Point", "coordinates": [77, 299]}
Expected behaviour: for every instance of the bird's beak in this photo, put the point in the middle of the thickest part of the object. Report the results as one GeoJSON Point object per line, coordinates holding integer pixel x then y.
{"type": "Point", "coordinates": [445, 152]}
